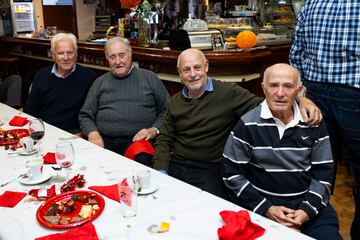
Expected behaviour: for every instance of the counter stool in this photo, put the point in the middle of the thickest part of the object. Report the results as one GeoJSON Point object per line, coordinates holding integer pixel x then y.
{"type": "Point", "coordinates": [8, 65]}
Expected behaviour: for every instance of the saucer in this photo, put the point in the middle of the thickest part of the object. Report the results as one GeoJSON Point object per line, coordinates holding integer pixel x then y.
{"type": "Point", "coordinates": [28, 181]}
{"type": "Point", "coordinates": [149, 190]}
{"type": "Point", "coordinates": [24, 153]}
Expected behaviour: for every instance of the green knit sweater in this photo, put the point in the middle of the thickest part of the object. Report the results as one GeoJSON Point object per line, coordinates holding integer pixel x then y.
{"type": "Point", "coordinates": [197, 129]}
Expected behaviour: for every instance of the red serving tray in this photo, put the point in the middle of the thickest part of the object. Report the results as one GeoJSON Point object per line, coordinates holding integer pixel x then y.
{"type": "Point", "coordinates": [20, 133]}
{"type": "Point", "coordinates": [42, 210]}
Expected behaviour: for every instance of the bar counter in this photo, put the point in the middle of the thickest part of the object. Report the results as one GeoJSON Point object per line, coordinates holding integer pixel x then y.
{"type": "Point", "coordinates": [244, 67]}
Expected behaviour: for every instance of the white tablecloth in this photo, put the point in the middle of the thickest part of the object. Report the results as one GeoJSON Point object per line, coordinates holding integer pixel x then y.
{"type": "Point", "coordinates": [191, 212]}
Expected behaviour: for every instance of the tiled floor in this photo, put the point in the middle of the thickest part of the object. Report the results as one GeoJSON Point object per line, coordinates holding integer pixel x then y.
{"type": "Point", "coordinates": [342, 200]}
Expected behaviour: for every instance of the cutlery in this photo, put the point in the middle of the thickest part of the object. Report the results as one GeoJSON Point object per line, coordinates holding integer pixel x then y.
{"type": "Point", "coordinates": [13, 179]}
{"type": "Point", "coordinates": [68, 138]}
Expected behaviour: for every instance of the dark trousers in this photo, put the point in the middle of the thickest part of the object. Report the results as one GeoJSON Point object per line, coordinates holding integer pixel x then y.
{"type": "Point", "coordinates": [119, 145]}
{"type": "Point", "coordinates": [204, 175]}
{"type": "Point", "coordinates": [340, 106]}
{"type": "Point", "coordinates": [324, 226]}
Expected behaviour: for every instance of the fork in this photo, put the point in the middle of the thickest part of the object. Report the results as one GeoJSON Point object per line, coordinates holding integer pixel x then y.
{"type": "Point", "coordinates": [13, 179]}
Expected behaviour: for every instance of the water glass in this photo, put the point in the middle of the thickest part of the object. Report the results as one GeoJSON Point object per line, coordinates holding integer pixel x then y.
{"type": "Point", "coordinates": [128, 200]}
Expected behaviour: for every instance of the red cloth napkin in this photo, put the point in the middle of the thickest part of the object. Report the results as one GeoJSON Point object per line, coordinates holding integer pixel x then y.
{"type": "Point", "coordinates": [84, 232]}
{"type": "Point", "coordinates": [238, 226]}
{"type": "Point", "coordinates": [140, 146]}
{"type": "Point", "coordinates": [10, 199]}
{"type": "Point", "coordinates": [49, 158]}
{"type": "Point", "coordinates": [18, 121]}
{"type": "Point", "coordinates": [112, 191]}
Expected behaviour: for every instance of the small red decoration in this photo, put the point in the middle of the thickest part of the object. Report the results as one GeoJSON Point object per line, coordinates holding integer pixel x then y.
{"type": "Point", "coordinates": [41, 195]}
{"type": "Point", "coordinates": [77, 181]}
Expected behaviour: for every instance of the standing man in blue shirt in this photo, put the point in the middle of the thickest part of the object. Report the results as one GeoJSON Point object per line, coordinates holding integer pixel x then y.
{"type": "Point", "coordinates": [326, 50]}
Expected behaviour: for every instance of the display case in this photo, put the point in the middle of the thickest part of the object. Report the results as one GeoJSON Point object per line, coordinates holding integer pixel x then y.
{"type": "Point", "coordinates": [279, 12]}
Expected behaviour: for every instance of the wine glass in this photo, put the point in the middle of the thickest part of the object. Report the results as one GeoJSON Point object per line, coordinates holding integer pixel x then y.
{"type": "Point", "coordinates": [65, 156]}
{"type": "Point", "coordinates": [37, 131]}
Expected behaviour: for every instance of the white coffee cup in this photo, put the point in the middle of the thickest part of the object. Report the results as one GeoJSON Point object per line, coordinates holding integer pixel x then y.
{"type": "Point", "coordinates": [144, 178]}
{"type": "Point", "coordinates": [34, 168]}
{"type": "Point", "coordinates": [27, 143]}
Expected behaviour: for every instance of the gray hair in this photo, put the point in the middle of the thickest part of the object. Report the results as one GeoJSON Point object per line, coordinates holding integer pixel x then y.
{"type": "Point", "coordinates": [64, 36]}
{"type": "Point", "coordinates": [270, 69]}
{"type": "Point", "coordinates": [115, 40]}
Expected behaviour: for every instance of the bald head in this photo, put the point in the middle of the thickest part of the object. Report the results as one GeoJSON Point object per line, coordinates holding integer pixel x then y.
{"type": "Point", "coordinates": [190, 53]}
{"type": "Point", "coordinates": [193, 67]}
{"type": "Point", "coordinates": [281, 85]}
{"type": "Point", "coordinates": [282, 69]}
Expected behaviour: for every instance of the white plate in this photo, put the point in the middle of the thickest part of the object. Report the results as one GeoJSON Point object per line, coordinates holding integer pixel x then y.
{"type": "Point", "coordinates": [27, 181]}
{"type": "Point", "coordinates": [1, 122]}
{"type": "Point", "coordinates": [149, 190]}
{"type": "Point", "coordinates": [24, 153]}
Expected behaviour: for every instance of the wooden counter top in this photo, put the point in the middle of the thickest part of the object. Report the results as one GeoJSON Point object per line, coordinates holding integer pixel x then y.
{"type": "Point", "coordinates": [241, 66]}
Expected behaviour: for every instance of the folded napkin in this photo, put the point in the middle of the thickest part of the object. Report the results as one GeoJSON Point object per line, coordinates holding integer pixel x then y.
{"type": "Point", "coordinates": [10, 199]}
{"type": "Point", "coordinates": [112, 191]}
{"type": "Point", "coordinates": [18, 121]}
{"type": "Point", "coordinates": [84, 232]}
{"type": "Point", "coordinates": [140, 146]}
{"type": "Point", "coordinates": [49, 158]}
{"type": "Point", "coordinates": [238, 226]}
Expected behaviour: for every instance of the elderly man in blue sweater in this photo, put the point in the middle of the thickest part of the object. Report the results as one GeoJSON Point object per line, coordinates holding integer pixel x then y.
{"type": "Point", "coordinates": [59, 91]}
{"type": "Point", "coordinates": [277, 166]}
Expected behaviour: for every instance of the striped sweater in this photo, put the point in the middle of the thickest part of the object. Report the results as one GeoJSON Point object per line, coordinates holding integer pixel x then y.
{"type": "Point", "coordinates": [258, 163]}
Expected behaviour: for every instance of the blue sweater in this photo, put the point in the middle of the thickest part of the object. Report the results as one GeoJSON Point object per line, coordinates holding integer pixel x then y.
{"type": "Point", "coordinates": [58, 100]}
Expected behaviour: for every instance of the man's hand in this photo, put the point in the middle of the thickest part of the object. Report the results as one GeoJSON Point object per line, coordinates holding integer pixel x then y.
{"type": "Point", "coordinates": [299, 215]}
{"type": "Point", "coordinates": [280, 214]}
{"type": "Point", "coordinates": [95, 138]}
{"type": "Point", "coordinates": [146, 133]}
{"type": "Point", "coordinates": [310, 112]}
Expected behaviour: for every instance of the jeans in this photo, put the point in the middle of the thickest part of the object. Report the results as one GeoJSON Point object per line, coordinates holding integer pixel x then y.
{"type": "Point", "coordinates": [324, 226]}
{"type": "Point", "coordinates": [340, 106]}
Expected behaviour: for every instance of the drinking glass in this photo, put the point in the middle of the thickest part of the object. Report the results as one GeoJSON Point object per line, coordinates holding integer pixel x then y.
{"type": "Point", "coordinates": [37, 131]}
{"type": "Point", "coordinates": [65, 156]}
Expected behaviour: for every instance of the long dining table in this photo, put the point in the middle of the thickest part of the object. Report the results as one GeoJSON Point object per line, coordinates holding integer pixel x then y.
{"type": "Point", "coordinates": [191, 212]}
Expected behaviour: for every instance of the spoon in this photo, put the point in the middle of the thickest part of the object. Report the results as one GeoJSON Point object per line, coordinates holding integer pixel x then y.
{"type": "Point", "coordinates": [13, 179]}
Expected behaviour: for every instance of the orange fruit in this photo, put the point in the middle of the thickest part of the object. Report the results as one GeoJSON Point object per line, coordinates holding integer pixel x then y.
{"type": "Point", "coordinates": [246, 39]}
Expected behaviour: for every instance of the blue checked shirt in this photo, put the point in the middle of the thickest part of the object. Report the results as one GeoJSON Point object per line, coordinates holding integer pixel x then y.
{"type": "Point", "coordinates": [326, 46]}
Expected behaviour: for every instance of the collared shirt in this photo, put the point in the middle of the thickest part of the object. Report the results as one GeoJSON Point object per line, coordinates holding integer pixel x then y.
{"type": "Point", "coordinates": [267, 114]}
{"type": "Point", "coordinates": [326, 46]}
{"type": "Point", "coordinates": [209, 88]}
{"type": "Point", "coordinates": [59, 75]}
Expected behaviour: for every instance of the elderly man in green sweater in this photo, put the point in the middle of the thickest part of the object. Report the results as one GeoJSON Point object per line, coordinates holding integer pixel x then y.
{"type": "Point", "coordinates": [124, 105]}
{"type": "Point", "coordinates": [198, 122]}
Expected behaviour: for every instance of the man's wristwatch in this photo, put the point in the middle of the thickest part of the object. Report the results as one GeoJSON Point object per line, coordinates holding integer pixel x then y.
{"type": "Point", "coordinates": [157, 131]}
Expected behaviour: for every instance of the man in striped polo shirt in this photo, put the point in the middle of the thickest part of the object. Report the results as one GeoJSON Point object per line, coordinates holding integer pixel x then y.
{"type": "Point", "coordinates": [278, 166]}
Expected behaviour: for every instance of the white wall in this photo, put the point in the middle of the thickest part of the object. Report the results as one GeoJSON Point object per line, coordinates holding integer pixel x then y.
{"type": "Point", "coordinates": [85, 14]}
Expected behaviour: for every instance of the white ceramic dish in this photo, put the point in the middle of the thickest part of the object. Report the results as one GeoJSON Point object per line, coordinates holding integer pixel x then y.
{"type": "Point", "coordinates": [24, 153]}
{"type": "Point", "coordinates": [149, 190]}
{"type": "Point", "coordinates": [27, 181]}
